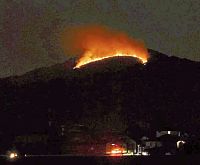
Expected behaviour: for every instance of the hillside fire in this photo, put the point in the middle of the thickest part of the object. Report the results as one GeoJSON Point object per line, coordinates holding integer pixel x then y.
{"type": "Point", "coordinates": [94, 43]}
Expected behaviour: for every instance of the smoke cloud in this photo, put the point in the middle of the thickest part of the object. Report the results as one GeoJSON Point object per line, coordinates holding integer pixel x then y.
{"type": "Point", "coordinates": [91, 42]}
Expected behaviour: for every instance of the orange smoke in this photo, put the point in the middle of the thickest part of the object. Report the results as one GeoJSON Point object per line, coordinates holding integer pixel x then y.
{"type": "Point", "coordinates": [93, 43]}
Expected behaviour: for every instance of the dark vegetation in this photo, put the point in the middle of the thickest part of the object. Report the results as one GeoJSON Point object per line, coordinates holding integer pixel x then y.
{"type": "Point", "coordinates": [115, 94]}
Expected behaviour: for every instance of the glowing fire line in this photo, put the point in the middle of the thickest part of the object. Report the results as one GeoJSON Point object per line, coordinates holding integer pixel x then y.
{"type": "Point", "coordinates": [88, 60]}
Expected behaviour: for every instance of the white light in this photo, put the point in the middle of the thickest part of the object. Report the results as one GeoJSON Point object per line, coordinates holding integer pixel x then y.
{"type": "Point", "coordinates": [178, 143]}
{"type": "Point", "coordinates": [168, 132]}
{"type": "Point", "coordinates": [145, 153]}
{"type": "Point", "coordinates": [13, 155]}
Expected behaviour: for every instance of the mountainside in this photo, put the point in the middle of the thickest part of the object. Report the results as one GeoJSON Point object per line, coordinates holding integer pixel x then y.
{"type": "Point", "coordinates": [117, 93]}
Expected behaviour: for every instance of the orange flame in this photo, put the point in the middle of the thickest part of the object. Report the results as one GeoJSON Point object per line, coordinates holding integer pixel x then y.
{"type": "Point", "coordinates": [94, 43]}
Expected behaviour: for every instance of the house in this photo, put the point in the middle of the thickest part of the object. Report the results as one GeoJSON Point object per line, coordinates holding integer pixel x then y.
{"type": "Point", "coordinates": [165, 142]}
{"type": "Point", "coordinates": [147, 143]}
{"type": "Point", "coordinates": [167, 132]}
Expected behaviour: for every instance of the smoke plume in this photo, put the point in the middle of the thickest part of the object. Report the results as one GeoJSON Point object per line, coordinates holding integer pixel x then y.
{"type": "Point", "coordinates": [93, 42]}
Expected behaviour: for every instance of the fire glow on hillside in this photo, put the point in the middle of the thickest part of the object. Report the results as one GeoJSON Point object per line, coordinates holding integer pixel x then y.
{"type": "Point", "coordinates": [94, 43]}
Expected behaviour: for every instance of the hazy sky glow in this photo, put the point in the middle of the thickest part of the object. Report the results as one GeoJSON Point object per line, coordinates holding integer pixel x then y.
{"type": "Point", "coordinates": [29, 28]}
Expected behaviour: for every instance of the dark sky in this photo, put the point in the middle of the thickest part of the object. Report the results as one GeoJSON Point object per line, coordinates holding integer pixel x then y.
{"type": "Point", "coordinates": [29, 28]}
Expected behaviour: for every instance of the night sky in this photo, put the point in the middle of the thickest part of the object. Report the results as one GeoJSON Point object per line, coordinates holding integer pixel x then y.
{"type": "Point", "coordinates": [29, 29]}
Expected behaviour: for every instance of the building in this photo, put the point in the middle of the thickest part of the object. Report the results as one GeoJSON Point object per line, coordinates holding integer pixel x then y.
{"type": "Point", "coordinates": [167, 132]}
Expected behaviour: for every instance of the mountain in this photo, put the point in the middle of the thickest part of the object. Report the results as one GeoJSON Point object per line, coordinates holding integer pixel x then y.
{"type": "Point", "coordinates": [117, 93]}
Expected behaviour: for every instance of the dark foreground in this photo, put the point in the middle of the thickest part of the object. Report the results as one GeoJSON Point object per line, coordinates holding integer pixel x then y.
{"type": "Point", "coordinates": [70, 160]}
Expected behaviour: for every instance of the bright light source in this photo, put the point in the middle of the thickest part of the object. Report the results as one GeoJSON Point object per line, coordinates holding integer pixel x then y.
{"type": "Point", "coordinates": [180, 143]}
{"type": "Point", "coordinates": [145, 153]}
{"type": "Point", "coordinates": [13, 155]}
{"type": "Point", "coordinates": [129, 153]}
{"type": "Point", "coordinates": [168, 132]}
{"type": "Point", "coordinates": [116, 151]}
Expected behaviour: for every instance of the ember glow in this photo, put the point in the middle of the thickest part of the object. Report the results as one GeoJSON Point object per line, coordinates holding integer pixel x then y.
{"type": "Point", "coordinates": [94, 43]}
